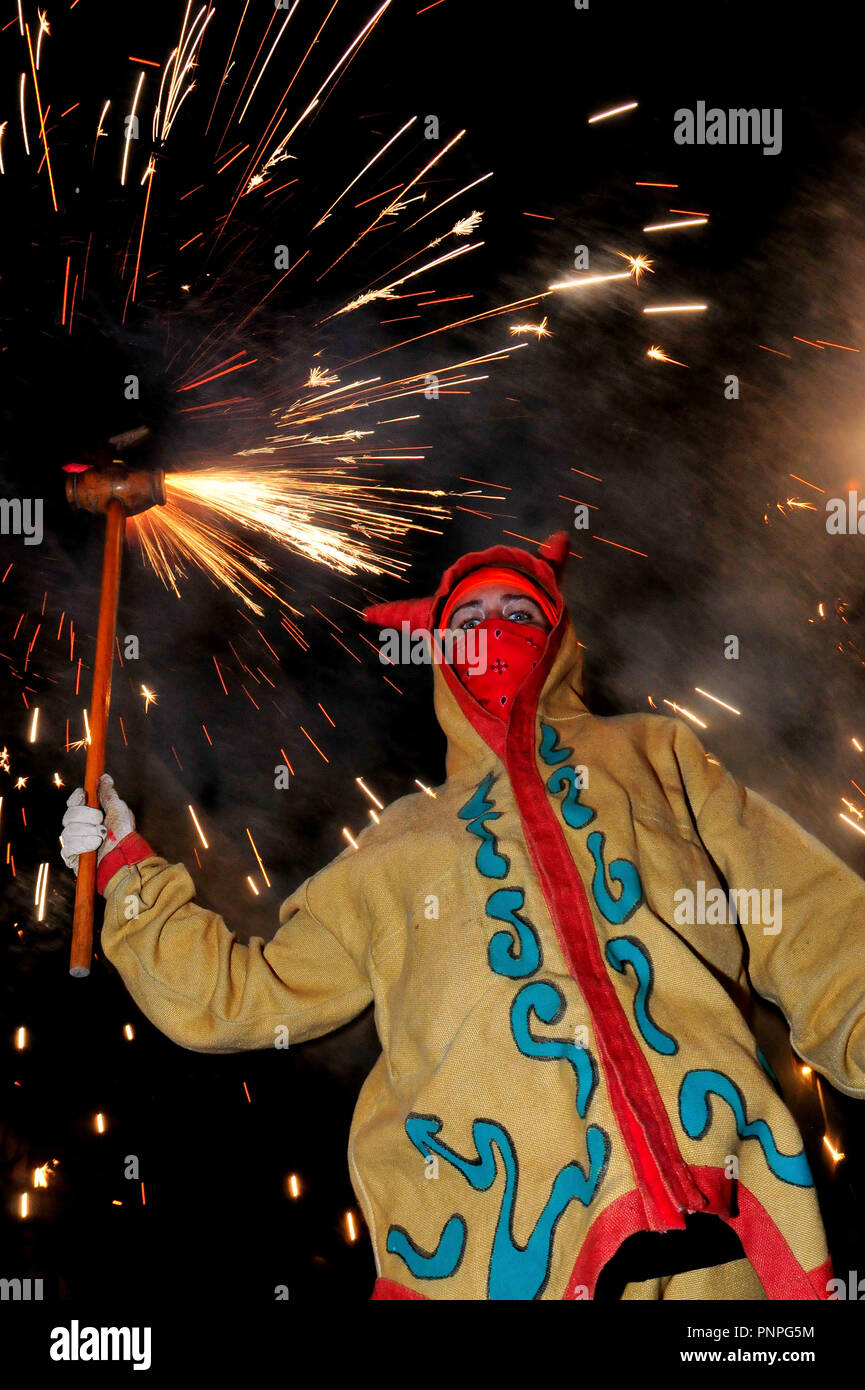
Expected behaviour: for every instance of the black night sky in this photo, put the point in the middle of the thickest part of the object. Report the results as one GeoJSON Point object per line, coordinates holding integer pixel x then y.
{"type": "Point", "coordinates": [696, 484]}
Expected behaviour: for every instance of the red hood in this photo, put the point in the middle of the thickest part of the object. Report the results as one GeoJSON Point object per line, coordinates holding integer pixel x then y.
{"type": "Point", "coordinates": [422, 613]}
{"type": "Point", "coordinates": [471, 732]}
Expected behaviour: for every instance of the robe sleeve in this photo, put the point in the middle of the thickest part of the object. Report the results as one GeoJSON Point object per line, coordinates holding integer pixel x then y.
{"type": "Point", "coordinates": [209, 992]}
{"type": "Point", "coordinates": [810, 961]}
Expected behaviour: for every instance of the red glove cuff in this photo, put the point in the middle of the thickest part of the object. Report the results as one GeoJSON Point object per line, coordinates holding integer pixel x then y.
{"type": "Point", "coordinates": [128, 851]}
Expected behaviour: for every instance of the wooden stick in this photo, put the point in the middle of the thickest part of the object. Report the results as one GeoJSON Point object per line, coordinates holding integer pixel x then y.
{"type": "Point", "coordinates": [100, 700]}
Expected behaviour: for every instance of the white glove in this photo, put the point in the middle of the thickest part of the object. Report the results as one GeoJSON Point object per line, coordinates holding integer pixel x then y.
{"type": "Point", "coordinates": [85, 829]}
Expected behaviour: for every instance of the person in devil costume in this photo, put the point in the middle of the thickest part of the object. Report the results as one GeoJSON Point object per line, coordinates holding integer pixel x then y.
{"type": "Point", "coordinates": [570, 1101]}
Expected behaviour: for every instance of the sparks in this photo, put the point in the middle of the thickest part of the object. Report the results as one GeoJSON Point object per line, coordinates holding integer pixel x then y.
{"type": "Point", "coordinates": [799, 505]}
{"type": "Point", "coordinates": [178, 65]}
{"type": "Point", "coordinates": [322, 514]}
{"type": "Point", "coordinates": [464, 227]}
{"type": "Point", "coordinates": [467, 225]}
{"type": "Point", "coordinates": [614, 111]}
{"type": "Point", "coordinates": [279, 153]}
{"type": "Point", "coordinates": [639, 264]}
{"type": "Point", "coordinates": [44, 28]}
{"type": "Point", "coordinates": [658, 355]}
{"type": "Point", "coordinates": [198, 827]}
{"type": "Point", "coordinates": [41, 117]}
{"type": "Point", "coordinates": [680, 222]}
{"type": "Point", "coordinates": [365, 789]}
{"type": "Point", "coordinates": [538, 328]}
{"type": "Point", "coordinates": [149, 698]}
{"type": "Point", "coordinates": [716, 701]}
{"type": "Point", "coordinates": [675, 308]}
{"type": "Point", "coordinates": [320, 376]}
{"type": "Point", "coordinates": [389, 291]}
{"type": "Point", "coordinates": [21, 87]}
{"type": "Point", "coordinates": [589, 280]}
{"type": "Point", "coordinates": [131, 120]}
{"type": "Point", "coordinates": [680, 709]}
{"type": "Point", "coordinates": [258, 857]}
{"type": "Point", "coordinates": [366, 167]}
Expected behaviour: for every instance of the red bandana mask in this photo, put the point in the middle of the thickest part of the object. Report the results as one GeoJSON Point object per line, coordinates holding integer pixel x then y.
{"type": "Point", "coordinates": [512, 650]}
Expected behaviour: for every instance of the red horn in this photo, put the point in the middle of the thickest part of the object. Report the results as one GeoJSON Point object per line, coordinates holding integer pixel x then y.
{"type": "Point", "coordinates": [555, 551]}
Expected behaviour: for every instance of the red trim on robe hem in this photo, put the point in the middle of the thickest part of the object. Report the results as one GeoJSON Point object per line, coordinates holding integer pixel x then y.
{"type": "Point", "coordinates": [128, 851]}
{"type": "Point", "coordinates": [388, 1288]}
{"type": "Point", "coordinates": [766, 1249]}
{"type": "Point", "coordinates": [622, 1218]}
{"type": "Point", "coordinates": [777, 1268]}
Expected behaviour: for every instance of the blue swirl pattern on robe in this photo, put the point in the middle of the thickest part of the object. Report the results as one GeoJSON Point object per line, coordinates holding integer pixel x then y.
{"type": "Point", "coordinates": [548, 1003]}
{"type": "Point", "coordinates": [515, 1272]}
{"type": "Point", "coordinates": [696, 1114]}
{"type": "Point", "coordinates": [616, 910]}
{"type": "Point", "coordinates": [627, 950]}
{"type": "Point", "coordinates": [574, 812]}
{"type": "Point", "coordinates": [577, 814]}
{"type": "Point", "coordinates": [442, 1262]}
{"type": "Point", "coordinates": [477, 810]}
{"type": "Point", "coordinates": [503, 906]}
{"type": "Point", "coordinates": [551, 750]}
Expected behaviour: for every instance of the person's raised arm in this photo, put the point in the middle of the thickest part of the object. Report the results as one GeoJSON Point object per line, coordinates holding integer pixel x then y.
{"type": "Point", "coordinates": [810, 958]}
{"type": "Point", "coordinates": [189, 974]}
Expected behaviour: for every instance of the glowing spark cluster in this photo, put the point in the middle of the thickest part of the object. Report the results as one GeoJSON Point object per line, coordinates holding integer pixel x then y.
{"type": "Point", "coordinates": [539, 329]}
{"type": "Point", "coordinates": [325, 515]}
{"type": "Point", "coordinates": [658, 354]}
